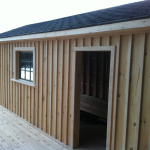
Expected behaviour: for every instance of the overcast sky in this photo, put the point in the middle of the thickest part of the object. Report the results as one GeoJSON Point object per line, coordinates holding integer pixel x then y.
{"type": "Point", "coordinates": [16, 13]}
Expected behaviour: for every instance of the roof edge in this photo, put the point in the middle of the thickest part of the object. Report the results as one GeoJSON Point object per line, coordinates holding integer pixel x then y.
{"type": "Point", "coordinates": [87, 30]}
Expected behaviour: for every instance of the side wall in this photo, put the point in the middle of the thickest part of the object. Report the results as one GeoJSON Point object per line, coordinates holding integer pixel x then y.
{"type": "Point", "coordinates": [49, 105]}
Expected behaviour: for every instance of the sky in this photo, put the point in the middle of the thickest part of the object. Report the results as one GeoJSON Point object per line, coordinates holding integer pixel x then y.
{"type": "Point", "coordinates": [17, 13]}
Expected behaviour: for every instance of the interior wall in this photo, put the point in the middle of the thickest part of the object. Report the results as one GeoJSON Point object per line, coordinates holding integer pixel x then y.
{"type": "Point", "coordinates": [95, 82]}
{"type": "Point", "coordinates": [49, 105]}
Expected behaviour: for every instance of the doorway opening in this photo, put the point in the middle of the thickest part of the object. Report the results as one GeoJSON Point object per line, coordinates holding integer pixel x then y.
{"type": "Point", "coordinates": [95, 71]}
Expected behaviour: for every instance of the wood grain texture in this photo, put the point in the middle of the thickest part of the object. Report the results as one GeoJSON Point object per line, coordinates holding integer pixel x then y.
{"type": "Point", "coordinates": [115, 40]}
{"type": "Point", "coordinates": [144, 133]}
{"type": "Point", "coordinates": [141, 65]}
{"type": "Point", "coordinates": [49, 105]}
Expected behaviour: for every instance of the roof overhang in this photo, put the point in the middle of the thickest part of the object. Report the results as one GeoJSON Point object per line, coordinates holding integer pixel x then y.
{"type": "Point", "coordinates": [143, 23]}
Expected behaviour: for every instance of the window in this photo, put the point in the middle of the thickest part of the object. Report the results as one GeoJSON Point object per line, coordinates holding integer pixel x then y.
{"type": "Point", "coordinates": [26, 66]}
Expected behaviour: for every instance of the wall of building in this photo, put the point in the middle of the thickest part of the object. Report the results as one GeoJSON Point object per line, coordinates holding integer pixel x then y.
{"type": "Point", "coordinates": [49, 105]}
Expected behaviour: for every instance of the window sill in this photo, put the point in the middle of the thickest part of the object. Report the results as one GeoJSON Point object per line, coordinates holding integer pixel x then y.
{"type": "Point", "coordinates": [24, 82]}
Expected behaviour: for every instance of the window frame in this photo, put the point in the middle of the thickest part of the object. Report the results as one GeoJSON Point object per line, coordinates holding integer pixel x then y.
{"type": "Point", "coordinates": [16, 65]}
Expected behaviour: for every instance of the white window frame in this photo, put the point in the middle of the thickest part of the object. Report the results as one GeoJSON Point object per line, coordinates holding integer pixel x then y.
{"type": "Point", "coordinates": [16, 65]}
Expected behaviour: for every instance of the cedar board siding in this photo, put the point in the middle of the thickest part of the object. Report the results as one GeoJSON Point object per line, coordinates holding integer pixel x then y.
{"type": "Point", "coordinates": [49, 105]}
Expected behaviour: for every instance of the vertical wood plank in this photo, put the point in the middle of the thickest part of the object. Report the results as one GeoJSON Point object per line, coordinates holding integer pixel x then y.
{"type": "Point", "coordinates": [65, 91]}
{"type": "Point", "coordinates": [140, 91]}
{"type": "Point", "coordinates": [54, 89]}
{"type": "Point", "coordinates": [8, 78]}
{"type": "Point", "coordinates": [1, 67]}
{"type": "Point", "coordinates": [46, 87]}
{"type": "Point", "coordinates": [127, 91]}
{"type": "Point", "coordinates": [21, 93]}
{"type": "Point", "coordinates": [124, 41]}
{"type": "Point", "coordinates": [29, 104]}
{"type": "Point", "coordinates": [115, 92]}
{"type": "Point", "coordinates": [17, 92]}
{"type": "Point", "coordinates": [50, 86]}
{"type": "Point", "coordinates": [40, 84]}
{"type": "Point", "coordinates": [0, 75]}
{"type": "Point", "coordinates": [67, 82]}
{"type": "Point", "coordinates": [44, 97]}
{"type": "Point", "coordinates": [59, 88]}
{"type": "Point", "coordinates": [70, 90]}
{"type": "Point", "coordinates": [33, 106]}
{"type": "Point", "coordinates": [77, 97]}
{"type": "Point", "coordinates": [3, 75]}
{"type": "Point", "coordinates": [33, 90]}
{"type": "Point", "coordinates": [19, 101]}
{"type": "Point", "coordinates": [133, 91]}
{"type": "Point", "coordinates": [11, 74]}
{"type": "Point", "coordinates": [73, 97]}
{"type": "Point", "coordinates": [26, 98]}
{"type": "Point", "coordinates": [144, 130]}
{"type": "Point", "coordinates": [77, 92]}
{"type": "Point", "coordinates": [17, 87]}
{"type": "Point", "coordinates": [23, 101]}
{"type": "Point", "coordinates": [14, 84]}
{"type": "Point", "coordinates": [37, 83]}
{"type": "Point", "coordinates": [55, 124]}
{"type": "Point", "coordinates": [110, 99]}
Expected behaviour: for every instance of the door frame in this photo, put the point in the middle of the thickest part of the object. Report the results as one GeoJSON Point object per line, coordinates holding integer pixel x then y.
{"type": "Point", "coordinates": [77, 55]}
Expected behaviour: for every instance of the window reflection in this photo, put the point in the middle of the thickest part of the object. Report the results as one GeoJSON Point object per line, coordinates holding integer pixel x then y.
{"type": "Point", "coordinates": [26, 66]}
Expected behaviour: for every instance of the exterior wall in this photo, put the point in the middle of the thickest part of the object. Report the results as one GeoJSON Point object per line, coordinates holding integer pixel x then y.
{"type": "Point", "coordinates": [49, 106]}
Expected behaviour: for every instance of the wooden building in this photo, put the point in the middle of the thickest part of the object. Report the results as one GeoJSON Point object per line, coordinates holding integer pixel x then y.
{"type": "Point", "coordinates": [95, 64]}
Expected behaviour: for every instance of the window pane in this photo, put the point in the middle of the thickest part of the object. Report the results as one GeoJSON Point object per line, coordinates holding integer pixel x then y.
{"type": "Point", "coordinates": [31, 76]}
{"type": "Point", "coordinates": [22, 56]}
{"type": "Point", "coordinates": [31, 66]}
{"type": "Point", "coordinates": [27, 75]}
{"type": "Point", "coordinates": [31, 56]}
{"type": "Point", "coordinates": [22, 65]}
{"type": "Point", "coordinates": [27, 66]}
{"type": "Point", "coordinates": [22, 74]}
{"type": "Point", "coordinates": [27, 56]}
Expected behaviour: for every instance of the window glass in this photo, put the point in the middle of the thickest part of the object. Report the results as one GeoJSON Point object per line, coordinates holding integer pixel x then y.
{"type": "Point", "coordinates": [26, 66]}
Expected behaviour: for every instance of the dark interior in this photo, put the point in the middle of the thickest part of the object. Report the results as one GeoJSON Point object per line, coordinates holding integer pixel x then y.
{"type": "Point", "coordinates": [94, 100]}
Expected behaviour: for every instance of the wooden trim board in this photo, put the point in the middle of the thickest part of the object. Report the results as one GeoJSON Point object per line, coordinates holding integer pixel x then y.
{"type": "Point", "coordinates": [16, 63]}
{"type": "Point", "coordinates": [127, 91]}
{"type": "Point", "coordinates": [140, 91]}
{"type": "Point", "coordinates": [142, 23]}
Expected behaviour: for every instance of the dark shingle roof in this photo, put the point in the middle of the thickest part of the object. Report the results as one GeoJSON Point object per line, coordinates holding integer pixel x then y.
{"type": "Point", "coordinates": [132, 11]}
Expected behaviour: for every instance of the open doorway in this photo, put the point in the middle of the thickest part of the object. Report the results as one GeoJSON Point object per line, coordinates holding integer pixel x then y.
{"type": "Point", "coordinates": [92, 106]}
{"type": "Point", "coordinates": [95, 71]}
